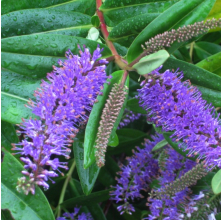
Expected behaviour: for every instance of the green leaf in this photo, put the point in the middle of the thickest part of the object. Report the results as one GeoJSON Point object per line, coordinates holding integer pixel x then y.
{"type": "Point", "coordinates": [211, 96]}
{"type": "Point", "coordinates": [160, 145]}
{"type": "Point", "coordinates": [87, 176]}
{"type": "Point", "coordinates": [212, 64]}
{"type": "Point", "coordinates": [8, 135]}
{"type": "Point", "coordinates": [95, 197]}
{"type": "Point", "coordinates": [84, 6]}
{"type": "Point", "coordinates": [95, 21]}
{"type": "Point", "coordinates": [94, 209]}
{"type": "Point", "coordinates": [45, 21]}
{"type": "Point", "coordinates": [113, 142]}
{"type": "Point", "coordinates": [218, 216]}
{"type": "Point", "coordinates": [130, 28]}
{"type": "Point", "coordinates": [133, 105]}
{"type": "Point", "coordinates": [49, 45]}
{"type": "Point", "coordinates": [16, 91]}
{"type": "Point", "coordinates": [93, 34]}
{"type": "Point", "coordinates": [13, 109]}
{"type": "Point", "coordinates": [195, 74]}
{"type": "Point", "coordinates": [149, 63]}
{"type": "Point", "coordinates": [14, 5]}
{"type": "Point", "coordinates": [117, 12]}
{"type": "Point", "coordinates": [216, 183]}
{"type": "Point", "coordinates": [181, 13]}
{"type": "Point", "coordinates": [95, 115]}
{"type": "Point", "coordinates": [22, 206]}
{"type": "Point", "coordinates": [128, 139]}
{"type": "Point", "coordinates": [34, 55]}
{"type": "Point", "coordinates": [202, 50]}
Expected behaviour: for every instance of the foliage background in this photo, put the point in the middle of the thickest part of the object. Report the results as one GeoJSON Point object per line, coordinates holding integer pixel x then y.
{"type": "Point", "coordinates": [35, 34]}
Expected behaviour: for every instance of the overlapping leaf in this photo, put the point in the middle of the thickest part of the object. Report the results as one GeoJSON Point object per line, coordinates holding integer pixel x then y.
{"type": "Point", "coordinates": [21, 206]}
{"type": "Point", "coordinates": [181, 13]}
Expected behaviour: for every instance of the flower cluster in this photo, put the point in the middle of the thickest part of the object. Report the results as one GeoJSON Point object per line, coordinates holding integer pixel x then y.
{"type": "Point", "coordinates": [136, 176]}
{"type": "Point", "coordinates": [75, 215]}
{"type": "Point", "coordinates": [128, 117]}
{"type": "Point", "coordinates": [177, 106]}
{"type": "Point", "coordinates": [109, 116]}
{"type": "Point", "coordinates": [62, 104]}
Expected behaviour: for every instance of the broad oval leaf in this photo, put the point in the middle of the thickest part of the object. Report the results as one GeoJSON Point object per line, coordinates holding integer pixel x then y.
{"type": "Point", "coordinates": [22, 206]}
{"type": "Point", "coordinates": [45, 21]}
{"type": "Point", "coordinates": [212, 64]}
{"type": "Point", "coordinates": [16, 91]}
{"type": "Point", "coordinates": [181, 13]}
{"type": "Point", "coordinates": [8, 135]}
{"type": "Point", "coordinates": [216, 183]}
{"type": "Point", "coordinates": [34, 55]}
{"type": "Point", "coordinates": [83, 6]}
{"type": "Point", "coordinates": [116, 13]}
{"type": "Point", "coordinates": [87, 176]}
{"type": "Point", "coordinates": [149, 63]}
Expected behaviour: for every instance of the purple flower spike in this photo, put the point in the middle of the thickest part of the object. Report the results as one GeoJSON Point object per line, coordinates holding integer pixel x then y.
{"type": "Point", "coordinates": [177, 106]}
{"type": "Point", "coordinates": [136, 176]}
{"type": "Point", "coordinates": [63, 103]}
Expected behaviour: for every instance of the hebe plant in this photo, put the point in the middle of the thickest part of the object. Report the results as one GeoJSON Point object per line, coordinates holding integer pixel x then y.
{"type": "Point", "coordinates": [111, 109]}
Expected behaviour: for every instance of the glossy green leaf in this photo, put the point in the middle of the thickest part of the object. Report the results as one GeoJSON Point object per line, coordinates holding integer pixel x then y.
{"type": "Point", "coordinates": [133, 105]}
{"type": "Point", "coordinates": [195, 74]}
{"type": "Point", "coordinates": [211, 96]}
{"type": "Point", "coordinates": [45, 21]}
{"type": "Point", "coordinates": [22, 206]}
{"type": "Point", "coordinates": [117, 12]}
{"type": "Point", "coordinates": [13, 109]}
{"type": "Point", "coordinates": [33, 66]}
{"type": "Point", "coordinates": [95, 115]}
{"type": "Point", "coordinates": [202, 50]}
{"type": "Point", "coordinates": [8, 135]}
{"type": "Point", "coordinates": [95, 21]}
{"type": "Point", "coordinates": [216, 183]}
{"type": "Point", "coordinates": [212, 64]}
{"type": "Point", "coordinates": [95, 197]}
{"type": "Point", "coordinates": [151, 62]}
{"type": "Point", "coordinates": [34, 55]}
{"type": "Point", "coordinates": [87, 176]}
{"type": "Point", "coordinates": [83, 6]}
{"type": "Point", "coordinates": [113, 140]}
{"type": "Point", "coordinates": [181, 13]}
{"type": "Point", "coordinates": [16, 91]}
{"type": "Point", "coordinates": [49, 45]}
{"type": "Point", "coordinates": [130, 27]}
{"type": "Point", "coordinates": [14, 5]}
{"type": "Point", "coordinates": [160, 145]}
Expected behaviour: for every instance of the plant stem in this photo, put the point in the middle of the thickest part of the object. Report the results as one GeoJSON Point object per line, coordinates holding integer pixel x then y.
{"type": "Point", "coordinates": [68, 178]}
